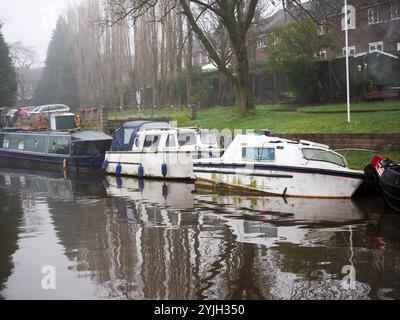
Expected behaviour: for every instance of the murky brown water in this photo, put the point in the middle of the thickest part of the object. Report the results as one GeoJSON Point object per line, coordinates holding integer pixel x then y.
{"type": "Point", "coordinates": [111, 238]}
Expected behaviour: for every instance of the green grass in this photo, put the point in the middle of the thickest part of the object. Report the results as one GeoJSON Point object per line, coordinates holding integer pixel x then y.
{"type": "Point", "coordinates": [356, 107]}
{"type": "Point", "coordinates": [278, 119]}
{"type": "Point", "coordinates": [360, 159]}
{"type": "Point", "coordinates": [269, 117]}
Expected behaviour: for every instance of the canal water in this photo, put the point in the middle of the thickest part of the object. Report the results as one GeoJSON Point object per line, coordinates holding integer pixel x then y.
{"type": "Point", "coordinates": [95, 237]}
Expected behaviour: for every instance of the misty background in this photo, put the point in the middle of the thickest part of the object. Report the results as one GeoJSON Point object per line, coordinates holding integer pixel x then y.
{"type": "Point", "coordinates": [32, 22]}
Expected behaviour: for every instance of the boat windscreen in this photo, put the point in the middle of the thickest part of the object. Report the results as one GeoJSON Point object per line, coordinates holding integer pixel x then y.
{"type": "Point", "coordinates": [325, 156]}
{"type": "Point", "coordinates": [208, 138]}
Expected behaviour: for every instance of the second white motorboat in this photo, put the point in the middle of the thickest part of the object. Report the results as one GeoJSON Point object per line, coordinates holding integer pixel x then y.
{"type": "Point", "coordinates": [281, 167]}
{"type": "Point", "coordinates": [162, 153]}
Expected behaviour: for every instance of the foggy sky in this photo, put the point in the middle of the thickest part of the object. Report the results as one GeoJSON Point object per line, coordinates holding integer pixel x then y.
{"type": "Point", "coordinates": [31, 21]}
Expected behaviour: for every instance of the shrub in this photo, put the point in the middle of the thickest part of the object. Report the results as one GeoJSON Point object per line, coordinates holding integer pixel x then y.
{"type": "Point", "coordinates": [182, 117]}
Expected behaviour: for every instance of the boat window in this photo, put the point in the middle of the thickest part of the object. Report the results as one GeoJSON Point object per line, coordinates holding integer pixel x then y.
{"type": "Point", "coordinates": [208, 138]}
{"type": "Point", "coordinates": [6, 143]}
{"type": "Point", "coordinates": [14, 141]}
{"type": "Point", "coordinates": [259, 154]}
{"type": "Point", "coordinates": [151, 141]}
{"type": "Point", "coordinates": [35, 143]}
{"type": "Point", "coordinates": [137, 142]}
{"type": "Point", "coordinates": [186, 139]}
{"type": "Point", "coordinates": [21, 144]}
{"type": "Point", "coordinates": [90, 148]}
{"type": "Point", "coordinates": [171, 141]}
{"type": "Point", "coordinates": [59, 145]}
{"type": "Point", "coordinates": [127, 135]}
{"type": "Point", "coordinates": [323, 155]}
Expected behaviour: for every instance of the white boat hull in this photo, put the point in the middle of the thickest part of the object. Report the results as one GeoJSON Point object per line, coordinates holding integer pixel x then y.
{"type": "Point", "coordinates": [179, 164]}
{"type": "Point", "coordinates": [299, 182]}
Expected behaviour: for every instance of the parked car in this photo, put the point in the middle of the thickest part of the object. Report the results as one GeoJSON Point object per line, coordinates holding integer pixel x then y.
{"type": "Point", "coordinates": [49, 109]}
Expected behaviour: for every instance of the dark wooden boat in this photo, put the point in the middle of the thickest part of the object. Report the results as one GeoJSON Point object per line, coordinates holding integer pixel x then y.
{"type": "Point", "coordinates": [387, 172]}
{"type": "Point", "coordinates": [53, 150]}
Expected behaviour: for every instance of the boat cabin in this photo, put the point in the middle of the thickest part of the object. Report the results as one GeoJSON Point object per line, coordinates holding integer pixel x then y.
{"type": "Point", "coordinates": [55, 143]}
{"type": "Point", "coordinates": [125, 136]}
{"type": "Point", "coordinates": [38, 149]}
{"type": "Point", "coordinates": [261, 148]}
{"type": "Point", "coordinates": [281, 167]}
{"type": "Point", "coordinates": [201, 142]}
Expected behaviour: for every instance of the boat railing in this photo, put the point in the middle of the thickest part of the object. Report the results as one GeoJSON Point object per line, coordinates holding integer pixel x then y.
{"type": "Point", "coordinates": [369, 153]}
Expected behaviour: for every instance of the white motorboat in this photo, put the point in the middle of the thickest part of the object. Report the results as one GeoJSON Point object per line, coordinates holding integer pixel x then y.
{"type": "Point", "coordinates": [281, 167]}
{"type": "Point", "coordinates": [162, 153]}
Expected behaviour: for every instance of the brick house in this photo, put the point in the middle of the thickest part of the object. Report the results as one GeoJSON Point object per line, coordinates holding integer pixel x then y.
{"type": "Point", "coordinates": [373, 25]}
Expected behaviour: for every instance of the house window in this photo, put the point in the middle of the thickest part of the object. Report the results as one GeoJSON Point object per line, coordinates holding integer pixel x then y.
{"type": "Point", "coordinates": [322, 54]}
{"type": "Point", "coordinates": [261, 41]}
{"type": "Point", "coordinates": [352, 50]}
{"type": "Point", "coordinates": [395, 12]}
{"type": "Point", "coordinates": [322, 28]}
{"type": "Point", "coordinates": [398, 46]}
{"type": "Point", "coordinates": [375, 15]}
{"type": "Point", "coordinates": [376, 46]}
{"type": "Point", "coordinates": [351, 17]}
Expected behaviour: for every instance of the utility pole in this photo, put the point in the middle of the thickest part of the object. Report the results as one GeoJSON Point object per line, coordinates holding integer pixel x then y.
{"type": "Point", "coordinates": [347, 59]}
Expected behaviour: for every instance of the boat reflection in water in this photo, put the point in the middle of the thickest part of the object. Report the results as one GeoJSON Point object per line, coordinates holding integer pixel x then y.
{"type": "Point", "coordinates": [116, 238]}
{"type": "Point", "coordinates": [270, 220]}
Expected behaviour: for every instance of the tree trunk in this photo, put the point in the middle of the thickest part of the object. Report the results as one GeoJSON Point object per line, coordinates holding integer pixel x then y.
{"type": "Point", "coordinates": [242, 83]}
{"type": "Point", "coordinates": [189, 63]}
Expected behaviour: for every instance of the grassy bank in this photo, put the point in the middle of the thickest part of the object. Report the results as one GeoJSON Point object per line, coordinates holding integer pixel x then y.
{"type": "Point", "coordinates": [356, 107]}
{"type": "Point", "coordinates": [273, 118]}
{"type": "Point", "coordinates": [292, 119]}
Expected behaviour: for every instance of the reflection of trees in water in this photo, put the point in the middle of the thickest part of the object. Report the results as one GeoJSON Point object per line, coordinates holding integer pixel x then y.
{"type": "Point", "coordinates": [10, 216]}
{"type": "Point", "coordinates": [155, 259]}
{"type": "Point", "coordinates": [135, 250]}
{"type": "Point", "coordinates": [132, 249]}
{"type": "Point", "coordinates": [315, 272]}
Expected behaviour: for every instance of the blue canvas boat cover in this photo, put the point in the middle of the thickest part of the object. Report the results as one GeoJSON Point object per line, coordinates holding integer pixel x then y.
{"type": "Point", "coordinates": [124, 137]}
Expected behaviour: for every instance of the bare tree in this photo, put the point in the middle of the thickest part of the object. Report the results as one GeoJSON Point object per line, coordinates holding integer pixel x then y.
{"type": "Point", "coordinates": [24, 59]}
{"type": "Point", "coordinates": [235, 16]}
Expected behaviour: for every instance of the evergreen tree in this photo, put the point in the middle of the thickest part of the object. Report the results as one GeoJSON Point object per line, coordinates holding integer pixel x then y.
{"type": "Point", "coordinates": [58, 83]}
{"type": "Point", "coordinates": [8, 77]}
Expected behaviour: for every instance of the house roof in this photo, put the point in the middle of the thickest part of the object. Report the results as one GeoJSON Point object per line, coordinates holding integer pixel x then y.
{"type": "Point", "coordinates": [319, 9]}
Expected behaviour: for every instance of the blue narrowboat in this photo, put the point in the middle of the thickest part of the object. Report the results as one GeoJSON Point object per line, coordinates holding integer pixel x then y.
{"type": "Point", "coordinates": [48, 150]}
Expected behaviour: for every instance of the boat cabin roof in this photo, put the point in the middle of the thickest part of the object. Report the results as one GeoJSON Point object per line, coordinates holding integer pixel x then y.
{"type": "Point", "coordinates": [259, 140]}
{"type": "Point", "coordinates": [75, 135]}
{"type": "Point", "coordinates": [125, 136]}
